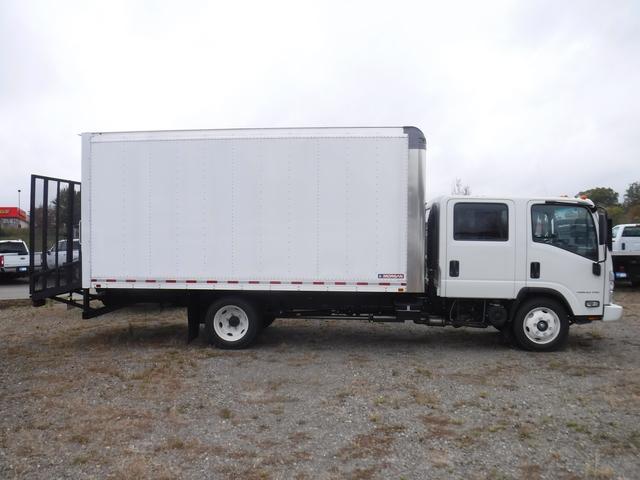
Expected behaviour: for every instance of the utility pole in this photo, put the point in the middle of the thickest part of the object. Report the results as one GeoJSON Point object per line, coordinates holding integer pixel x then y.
{"type": "Point", "coordinates": [19, 200]}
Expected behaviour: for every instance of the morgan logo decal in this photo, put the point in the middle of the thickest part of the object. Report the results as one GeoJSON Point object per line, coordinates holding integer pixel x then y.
{"type": "Point", "coordinates": [398, 276]}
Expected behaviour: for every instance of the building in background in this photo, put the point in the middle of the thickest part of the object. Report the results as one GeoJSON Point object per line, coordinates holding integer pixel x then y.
{"type": "Point", "coordinates": [13, 217]}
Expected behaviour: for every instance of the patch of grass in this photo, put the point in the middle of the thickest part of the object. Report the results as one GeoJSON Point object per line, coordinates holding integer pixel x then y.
{"type": "Point", "coordinates": [424, 372]}
{"type": "Point", "coordinates": [225, 413]}
{"type": "Point", "coordinates": [425, 399]}
{"type": "Point", "coordinates": [596, 472]}
{"type": "Point", "coordinates": [343, 395]}
{"type": "Point", "coordinates": [79, 438]}
{"type": "Point", "coordinates": [440, 460]}
{"type": "Point", "coordinates": [379, 401]}
{"type": "Point", "coordinates": [596, 335]}
{"type": "Point", "coordinates": [175, 443]}
{"type": "Point", "coordinates": [299, 437]}
{"type": "Point", "coordinates": [82, 459]}
{"type": "Point", "coordinates": [525, 431]}
{"type": "Point", "coordinates": [374, 444]}
{"type": "Point", "coordinates": [578, 427]}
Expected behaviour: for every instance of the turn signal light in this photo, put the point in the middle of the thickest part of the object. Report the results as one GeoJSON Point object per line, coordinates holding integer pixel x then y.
{"type": "Point", "coordinates": [1, 260]}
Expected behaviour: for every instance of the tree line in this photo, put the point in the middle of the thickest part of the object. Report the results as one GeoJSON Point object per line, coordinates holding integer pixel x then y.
{"type": "Point", "coordinates": [627, 211]}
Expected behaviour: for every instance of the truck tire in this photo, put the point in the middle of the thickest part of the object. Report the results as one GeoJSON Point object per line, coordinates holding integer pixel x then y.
{"type": "Point", "coordinates": [541, 324]}
{"type": "Point", "coordinates": [232, 323]}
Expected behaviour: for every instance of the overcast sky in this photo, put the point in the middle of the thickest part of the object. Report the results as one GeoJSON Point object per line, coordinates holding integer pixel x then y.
{"type": "Point", "coordinates": [528, 98]}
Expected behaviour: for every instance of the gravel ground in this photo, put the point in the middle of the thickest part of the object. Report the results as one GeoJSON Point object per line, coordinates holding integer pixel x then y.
{"type": "Point", "coordinates": [123, 396]}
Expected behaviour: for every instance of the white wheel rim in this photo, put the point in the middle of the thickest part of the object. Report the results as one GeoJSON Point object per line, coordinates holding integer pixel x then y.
{"type": "Point", "coordinates": [231, 323]}
{"type": "Point", "coordinates": [541, 325]}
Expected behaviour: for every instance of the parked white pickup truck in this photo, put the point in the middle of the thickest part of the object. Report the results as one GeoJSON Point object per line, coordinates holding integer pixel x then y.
{"type": "Point", "coordinates": [14, 259]}
{"type": "Point", "coordinates": [62, 253]}
{"type": "Point", "coordinates": [626, 252]}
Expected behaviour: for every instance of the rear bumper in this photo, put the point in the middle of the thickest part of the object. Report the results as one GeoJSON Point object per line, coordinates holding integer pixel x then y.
{"type": "Point", "coordinates": [612, 312]}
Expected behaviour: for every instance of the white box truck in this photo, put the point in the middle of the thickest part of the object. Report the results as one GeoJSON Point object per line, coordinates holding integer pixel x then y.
{"type": "Point", "coordinates": [245, 226]}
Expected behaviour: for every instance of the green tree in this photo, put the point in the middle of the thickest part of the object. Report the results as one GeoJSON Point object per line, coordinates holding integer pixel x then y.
{"type": "Point", "coordinates": [632, 195]}
{"type": "Point", "coordinates": [602, 196]}
{"type": "Point", "coordinates": [617, 214]}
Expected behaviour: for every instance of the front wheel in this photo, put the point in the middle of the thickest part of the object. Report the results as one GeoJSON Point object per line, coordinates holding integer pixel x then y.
{"type": "Point", "coordinates": [232, 323]}
{"type": "Point", "coordinates": [541, 324]}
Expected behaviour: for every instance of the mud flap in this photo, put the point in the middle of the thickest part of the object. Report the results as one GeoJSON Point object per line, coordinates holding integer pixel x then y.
{"type": "Point", "coordinates": [194, 315]}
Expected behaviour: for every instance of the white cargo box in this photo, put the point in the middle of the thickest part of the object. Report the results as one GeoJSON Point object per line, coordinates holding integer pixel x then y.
{"type": "Point", "coordinates": [331, 209]}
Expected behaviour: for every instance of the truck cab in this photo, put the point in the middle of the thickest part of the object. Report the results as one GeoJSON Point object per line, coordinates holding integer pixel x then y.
{"type": "Point", "coordinates": [496, 256]}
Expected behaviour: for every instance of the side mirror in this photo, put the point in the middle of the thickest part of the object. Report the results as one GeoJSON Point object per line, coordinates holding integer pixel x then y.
{"type": "Point", "coordinates": [602, 228]}
{"type": "Point", "coordinates": [596, 269]}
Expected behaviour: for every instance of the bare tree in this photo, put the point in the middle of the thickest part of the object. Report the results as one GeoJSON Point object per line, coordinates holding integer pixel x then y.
{"type": "Point", "coordinates": [459, 189]}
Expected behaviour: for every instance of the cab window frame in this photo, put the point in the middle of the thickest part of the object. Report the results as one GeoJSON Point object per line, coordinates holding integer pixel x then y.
{"type": "Point", "coordinates": [503, 234]}
{"type": "Point", "coordinates": [549, 240]}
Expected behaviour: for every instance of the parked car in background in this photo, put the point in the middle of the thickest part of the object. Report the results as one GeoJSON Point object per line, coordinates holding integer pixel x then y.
{"type": "Point", "coordinates": [14, 259]}
{"type": "Point", "coordinates": [626, 252]}
{"type": "Point", "coordinates": [62, 253]}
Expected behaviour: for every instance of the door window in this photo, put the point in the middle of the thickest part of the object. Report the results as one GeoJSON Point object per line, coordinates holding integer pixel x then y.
{"type": "Point", "coordinates": [481, 221]}
{"type": "Point", "coordinates": [567, 227]}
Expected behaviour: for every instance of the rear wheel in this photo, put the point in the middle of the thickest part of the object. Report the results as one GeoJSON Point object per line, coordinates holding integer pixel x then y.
{"type": "Point", "coordinates": [232, 323]}
{"type": "Point", "coordinates": [541, 324]}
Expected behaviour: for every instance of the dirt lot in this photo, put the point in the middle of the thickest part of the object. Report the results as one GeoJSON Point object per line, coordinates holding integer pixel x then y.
{"type": "Point", "coordinates": [123, 396]}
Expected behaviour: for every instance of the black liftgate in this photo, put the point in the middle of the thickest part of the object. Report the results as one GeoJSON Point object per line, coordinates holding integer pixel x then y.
{"type": "Point", "coordinates": [55, 256]}
{"type": "Point", "coordinates": [55, 252]}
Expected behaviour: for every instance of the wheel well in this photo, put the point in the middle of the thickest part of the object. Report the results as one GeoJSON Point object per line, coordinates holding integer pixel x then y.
{"type": "Point", "coordinates": [528, 293]}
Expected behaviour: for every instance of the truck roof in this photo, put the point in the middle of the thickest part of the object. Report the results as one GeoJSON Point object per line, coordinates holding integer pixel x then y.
{"type": "Point", "coordinates": [414, 134]}
{"type": "Point", "coordinates": [480, 198]}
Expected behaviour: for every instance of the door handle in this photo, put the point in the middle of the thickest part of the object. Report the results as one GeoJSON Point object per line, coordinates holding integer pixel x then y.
{"type": "Point", "coordinates": [535, 270]}
{"type": "Point", "coordinates": [454, 268]}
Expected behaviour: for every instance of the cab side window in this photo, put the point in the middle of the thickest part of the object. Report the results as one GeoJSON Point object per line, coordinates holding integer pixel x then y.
{"type": "Point", "coordinates": [567, 227]}
{"type": "Point", "coordinates": [481, 222]}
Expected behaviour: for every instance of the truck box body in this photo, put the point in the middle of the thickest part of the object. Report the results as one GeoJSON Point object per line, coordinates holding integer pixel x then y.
{"type": "Point", "coordinates": [333, 209]}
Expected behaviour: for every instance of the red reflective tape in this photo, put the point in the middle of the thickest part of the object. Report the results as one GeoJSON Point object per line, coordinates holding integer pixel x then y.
{"type": "Point", "coordinates": [340, 283]}
{"type": "Point", "coordinates": [275, 282]}
{"type": "Point", "coordinates": [403, 284]}
{"type": "Point", "coordinates": [130, 280]}
{"type": "Point", "coordinates": [110, 280]}
{"type": "Point", "coordinates": [232, 281]}
{"type": "Point", "coordinates": [150, 281]}
{"type": "Point", "coordinates": [362, 283]}
{"type": "Point", "coordinates": [296, 283]}
{"type": "Point", "coordinates": [192, 281]}
{"type": "Point", "coordinates": [97, 285]}
{"type": "Point", "coordinates": [212, 281]}
{"type": "Point", "coordinates": [170, 281]}
{"type": "Point", "coordinates": [318, 283]}
{"type": "Point", "coordinates": [253, 282]}
{"type": "Point", "coordinates": [94, 280]}
{"type": "Point", "coordinates": [384, 284]}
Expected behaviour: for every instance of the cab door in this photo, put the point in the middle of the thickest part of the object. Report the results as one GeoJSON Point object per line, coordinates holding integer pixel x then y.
{"type": "Point", "coordinates": [480, 248]}
{"type": "Point", "coordinates": [562, 248]}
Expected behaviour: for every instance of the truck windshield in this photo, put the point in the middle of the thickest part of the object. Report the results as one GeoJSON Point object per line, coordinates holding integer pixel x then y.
{"type": "Point", "coordinates": [567, 227]}
{"type": "Point", "coordinates": [13, 247]}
